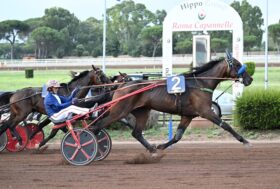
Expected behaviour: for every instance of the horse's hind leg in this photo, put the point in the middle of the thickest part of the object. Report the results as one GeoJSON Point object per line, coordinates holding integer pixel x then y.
{"type": "Point", "coordinates": [11, 124]}
{"type": "Point", "coordinates": [52, 134]}
{"type": "Point", "coordinates": [15, 133]}
{"type": "Point", "coordinates": [184, 123]}
{"type": "Point", "coordinates": [41, 125]}
{"type": "Point", "coordinates": [4, 126]}
{"type": "Point", "coordinates": [210, 115]}
{"type": "Point", "coordinates": [64, 129]}
{"type": "Point", "coordinates": [142, 116]}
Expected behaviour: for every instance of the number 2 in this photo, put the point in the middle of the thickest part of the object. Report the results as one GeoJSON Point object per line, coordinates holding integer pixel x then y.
{"type": "Point", "coordinates": [176, 86]}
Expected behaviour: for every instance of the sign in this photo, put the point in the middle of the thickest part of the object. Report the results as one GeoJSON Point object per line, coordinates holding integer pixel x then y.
{"type": "Point", "coordinates": [202, 16]}
{"type": "Point", "coordinates": [176, 84]}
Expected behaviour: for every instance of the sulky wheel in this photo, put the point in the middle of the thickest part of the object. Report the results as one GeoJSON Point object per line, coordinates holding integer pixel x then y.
{"type": "Point", "coordinates": [104, 145]}
{"type": "Point", "coordinates": [12, 144]}
{"type": "Point", "coordinates": [37, 139]}
{"type": "Point", "coordinates": [83, 154]}
{"type": "Point", "coordinates": [3, 141]}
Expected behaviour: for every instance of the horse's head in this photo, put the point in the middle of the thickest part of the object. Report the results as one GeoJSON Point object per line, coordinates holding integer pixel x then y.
{"type": "Point", "coordinates": [237, 70]}
{"type": "Point", "coordinates": [123, 77]}
{"type": "Point", "coordinates": [101, 76]}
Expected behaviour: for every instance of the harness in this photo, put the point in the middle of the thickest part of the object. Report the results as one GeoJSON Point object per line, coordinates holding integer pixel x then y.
{"type": "Point", "coordinates": [229, 61]}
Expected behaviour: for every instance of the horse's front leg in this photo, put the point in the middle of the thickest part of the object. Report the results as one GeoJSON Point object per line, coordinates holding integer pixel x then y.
{"type": "Point", "coordinates": [52, 134]}
{"type": "Point", "coordinates": [210, 115]}
{"type": "Point", "coordinates": [16, 134]}
{"type": "Point", "coordinates": [184, 123]}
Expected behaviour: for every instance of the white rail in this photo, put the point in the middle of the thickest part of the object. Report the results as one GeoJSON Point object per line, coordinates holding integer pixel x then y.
{"type": "Point", "coordinates": [120, 61]}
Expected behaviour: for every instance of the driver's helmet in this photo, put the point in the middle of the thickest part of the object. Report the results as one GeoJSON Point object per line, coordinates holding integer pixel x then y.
{"type": "Point", "coordinates": [52, 83]}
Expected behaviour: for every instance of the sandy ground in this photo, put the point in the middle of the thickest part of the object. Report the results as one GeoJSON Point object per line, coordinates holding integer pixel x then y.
{"type": "Point", "coordinates": [185, 165]}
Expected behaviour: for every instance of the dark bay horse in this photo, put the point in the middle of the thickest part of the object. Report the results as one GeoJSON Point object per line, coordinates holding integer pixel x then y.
{"type": "Point", "coordinates": [28, 100]}
{"type": "Point", "coordinates": [104, 95]}
{"type": "Point", "coordinates": [4, 101]}
{"type": "Point", "coordinates": [196, 101]}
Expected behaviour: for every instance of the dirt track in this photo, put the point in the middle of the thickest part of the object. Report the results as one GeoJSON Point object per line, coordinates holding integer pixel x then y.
{"type": "Point", "coordinates": [195, 165]}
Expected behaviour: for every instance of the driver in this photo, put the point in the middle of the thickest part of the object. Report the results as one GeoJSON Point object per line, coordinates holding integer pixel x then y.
{"type": "Point", "coordinates": [59, 108]}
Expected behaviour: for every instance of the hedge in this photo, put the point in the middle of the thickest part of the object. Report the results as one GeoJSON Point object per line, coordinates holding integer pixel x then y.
{"type": "Point", "coordinates": [258, 109]}
{"type": "Point", "coordinates": [251, 66]}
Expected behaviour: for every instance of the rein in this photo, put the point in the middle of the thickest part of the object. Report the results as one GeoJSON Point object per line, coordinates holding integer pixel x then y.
{"type": "Point", "coordinates": [114, 84]}
{"type": "Point", "coordinates": [7, 105]}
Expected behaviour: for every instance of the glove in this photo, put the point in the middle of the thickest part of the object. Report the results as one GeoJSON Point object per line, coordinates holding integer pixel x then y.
{"type": "Point", "coordinates": [75, 101]}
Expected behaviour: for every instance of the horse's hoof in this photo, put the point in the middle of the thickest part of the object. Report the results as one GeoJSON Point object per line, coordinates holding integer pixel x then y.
{"type": "Point", "coordinates": [40, 149]}
{"type": "Point", "coordinates": [18, 146]}
{"type": "Point", "coordinates": [153, 149]}
{"type": "Point", "coordinates": [160, 147]}
{"type": "Point", "coordinates": [43, 148]}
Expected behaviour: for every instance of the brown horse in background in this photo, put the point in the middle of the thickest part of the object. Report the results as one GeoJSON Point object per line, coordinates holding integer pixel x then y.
{"type": "Point", "coordinates": [4, 101]}
{"type": "Point", "coordinates": [196, 101]}
{"type": "Point", "coordinates": [28, 100]}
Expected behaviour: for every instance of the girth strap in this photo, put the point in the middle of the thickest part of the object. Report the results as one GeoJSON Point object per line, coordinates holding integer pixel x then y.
{"type": "Point", "coordinates": [178, 103]}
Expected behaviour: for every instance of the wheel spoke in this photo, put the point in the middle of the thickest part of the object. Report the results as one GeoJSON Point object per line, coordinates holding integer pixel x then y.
{"type": "Point", "coordinates": [74, 154]}
{"type": "Point", "coordinates": [78, 133]}
{"type": "Point", "coordinates": [70, 144]}
{"type": "Point", "coordinates": [104, 138]}
{"type": "Point", "coordinates": [85, 154]}
{"type": "Point", "coordinates": [87, 143]}
{"type": "Point", "coordinates": [101, 152]}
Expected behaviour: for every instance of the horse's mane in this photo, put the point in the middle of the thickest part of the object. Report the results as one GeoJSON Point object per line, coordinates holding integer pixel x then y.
{"type": "Point", "coordinates": [76, 77]}
{"type": "Point", "coordinates": [114, 78]}
{"type": "Point", "coordinates": [201, 69]}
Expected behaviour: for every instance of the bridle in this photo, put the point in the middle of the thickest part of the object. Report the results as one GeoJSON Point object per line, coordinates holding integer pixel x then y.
{"type": "Point", "coordinates": [229, 61]}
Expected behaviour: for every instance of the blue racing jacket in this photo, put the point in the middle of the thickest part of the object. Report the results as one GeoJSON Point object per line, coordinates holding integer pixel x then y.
{"type": "Point", "coordinates": [52, 105]}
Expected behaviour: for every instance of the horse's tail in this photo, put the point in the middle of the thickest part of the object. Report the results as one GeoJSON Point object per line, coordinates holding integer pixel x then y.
{"type": "Point", "coordinates": [5, 98]}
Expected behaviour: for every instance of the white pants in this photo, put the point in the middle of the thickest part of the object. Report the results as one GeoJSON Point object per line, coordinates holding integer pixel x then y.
{"type": "Point", "coordinates": [63, 114]}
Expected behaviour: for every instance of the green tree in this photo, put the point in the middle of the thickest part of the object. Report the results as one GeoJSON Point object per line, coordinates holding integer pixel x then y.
{"type": "Point", "coordinates": [182, 42]}
{"type": "Point", "coordinates": [113, 45]}
{"type": "Point", "coordinates": [62, 20]}
{"type": "Point", "coordinates": [250, 41]}
{"type": "Point", "coordinates": [159, 17]}
{"type": "Point", "coordinates": [252, 22]}
{"type": "Point", "coordinates": [90, 35]}
{"type": "Point", "coordinates": [126, 20]}
{"type": "Point", "coordinates": [47, 41]}
{"type": "Point", "coordinates": [5, 50]}
{"type": "Point", "coordinates": [150, 39]}
{"type": "Point", "coordinates": [34, 23]}
{"type": "Point", "coordinates": [80, 49]}
{"type": "Point", "coordinates": [274, 33]}
{"type": "Point", "coordinates": [218, 44]}
{"type": "Point", "coordinates": [220, 41]}
{"type": "Point", "coordinates": [184, 47]}
{"type": "Point", "coordinates": [10, 30]}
